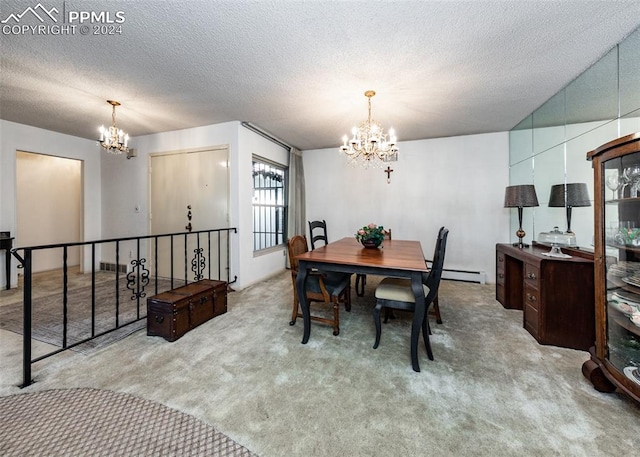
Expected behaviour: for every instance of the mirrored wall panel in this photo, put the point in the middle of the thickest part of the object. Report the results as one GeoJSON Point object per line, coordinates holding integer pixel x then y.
{"type": "Point", "coordinates": [550, 145]}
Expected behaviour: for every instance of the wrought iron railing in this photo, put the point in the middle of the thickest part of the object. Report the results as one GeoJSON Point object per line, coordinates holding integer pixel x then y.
{"type": "Point", "coordinates": [176, 259]}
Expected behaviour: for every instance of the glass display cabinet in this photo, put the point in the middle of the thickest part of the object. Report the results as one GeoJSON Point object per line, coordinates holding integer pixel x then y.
{"type": "Point", "coordinates": [615, 358]}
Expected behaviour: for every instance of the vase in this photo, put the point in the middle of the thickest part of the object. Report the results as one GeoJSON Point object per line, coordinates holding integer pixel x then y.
{"type": "Point", "coordinates": [371, 244]}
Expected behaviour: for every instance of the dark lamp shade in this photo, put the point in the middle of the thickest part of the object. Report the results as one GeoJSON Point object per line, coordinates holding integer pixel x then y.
{"type": "Point", "coordinates": [520, 196]}
{"type": "Point", "coordinates": [570, 195]}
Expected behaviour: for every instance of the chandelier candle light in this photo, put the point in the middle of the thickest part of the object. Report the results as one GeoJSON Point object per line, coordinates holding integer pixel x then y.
{"type": "Point", "coordinates": [369, 145]}
{"type": "Point", "coordinates": [114, 140]}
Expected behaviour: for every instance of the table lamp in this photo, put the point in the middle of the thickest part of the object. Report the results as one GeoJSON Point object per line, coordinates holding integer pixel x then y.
{"type": "Point", "coordinates": [520, 196]}
{"type": "Point", "coordinates": [569, 195]}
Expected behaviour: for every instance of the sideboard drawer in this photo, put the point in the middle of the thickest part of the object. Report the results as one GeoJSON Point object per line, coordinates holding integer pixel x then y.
{"type": "Point", "coordinates": [531, 297]}
{"type": "Point", "coordinates": [500, 277]}
{"type": "Point", "coordinates": [500, 293]}
{"type": "Point", "coordinates": [500, 268]}
{"type": "Point", "coordinates": [532, 321]}
{"type": "Point", "coordinates": [531, 274]}
{"type": "Point", "coordinates": [531, 308]}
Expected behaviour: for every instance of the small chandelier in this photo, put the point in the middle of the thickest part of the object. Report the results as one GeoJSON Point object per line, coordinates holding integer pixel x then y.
{"type": "Point", "coordinates": [369, 145]}
{"type": "Point", "coordinates": [114, 140]}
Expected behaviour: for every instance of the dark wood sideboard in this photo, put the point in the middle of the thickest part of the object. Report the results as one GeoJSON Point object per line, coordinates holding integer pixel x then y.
{"type": "Point", "coordinates": [556, 295]}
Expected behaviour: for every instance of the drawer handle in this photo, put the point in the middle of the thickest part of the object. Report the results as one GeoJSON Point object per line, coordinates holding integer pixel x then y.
{"type": "Point", "coordinates": [531, 297]}
{"type": "Point", "coordinates": [501, 275]}
{"type": "Point", "coordinates": [531, 276]}
{"type": "Point", "coordinates": [159, 319]}
{"type": "Point", "coordinates": [203, 299]}
{"type": "Point", "coordinates": [500, 259]}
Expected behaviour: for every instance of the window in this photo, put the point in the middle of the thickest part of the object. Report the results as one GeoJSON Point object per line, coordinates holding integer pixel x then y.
{"type": "Point", "coordinates": [269, 204]}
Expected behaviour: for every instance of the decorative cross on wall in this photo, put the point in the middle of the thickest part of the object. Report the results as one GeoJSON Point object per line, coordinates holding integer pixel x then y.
{"type": "Point", "coordinates": [388, 171]}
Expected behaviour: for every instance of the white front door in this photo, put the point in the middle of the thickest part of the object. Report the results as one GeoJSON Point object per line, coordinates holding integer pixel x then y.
{"type": "Point", "coordinates": [190, 192]}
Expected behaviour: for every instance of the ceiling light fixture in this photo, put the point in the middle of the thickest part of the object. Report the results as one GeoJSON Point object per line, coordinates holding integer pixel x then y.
{"type": "Point", "coordinates": [369, 145]}
{"type": "Point", "coordinates": [114, 140]}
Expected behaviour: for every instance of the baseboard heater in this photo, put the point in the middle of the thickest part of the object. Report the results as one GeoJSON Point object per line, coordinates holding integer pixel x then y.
{"type": "Point", "coordinates": [463, 275]}
{"type": "Point", "coordinates": [108, 266]}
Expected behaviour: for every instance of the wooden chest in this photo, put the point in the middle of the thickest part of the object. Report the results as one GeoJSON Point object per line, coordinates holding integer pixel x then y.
{"type": "Point", "coordinates": [173, 313]}
{"type": "Point", "coordinates": [219, 295]}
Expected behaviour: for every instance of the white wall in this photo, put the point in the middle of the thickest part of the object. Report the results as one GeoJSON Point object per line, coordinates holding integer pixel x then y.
{"type": "Point", "coordinates": [254, 268]}
{"type": "Point", "coordinates": [49, 193]}
{"type": "Point", "coordinates": [18, 137]}
{"type": "Point", "coordinates": [457, 182]}
{"type": "Point", "coordinates": [125, 185]}
{"type": "Point", "coordinates": [125, 182]}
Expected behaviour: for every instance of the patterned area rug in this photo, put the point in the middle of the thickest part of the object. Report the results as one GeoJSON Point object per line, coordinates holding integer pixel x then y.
{"type": "Point", "coordinates": [47, 315]}
{"type": "Point", "coordinates": [90, 422]}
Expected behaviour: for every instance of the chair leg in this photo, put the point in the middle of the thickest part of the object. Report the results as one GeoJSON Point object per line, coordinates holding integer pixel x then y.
{"type": "Point", "coordinates": [425, 335]}
{"type": "Point", "coordinates": [388, 314]}
{"type": "Point", "coordinates": [336, 318]}
{"type": "Point", "coordinates": [361, 281]}
{"type": "Point", "coordinates": [436, 310]}
{"type": "Point", "coordinates": [376, 320]}
{"type": "Point", "coordinates": [294, 314]}
{"type": "Point", "coordinates": [347, 299]}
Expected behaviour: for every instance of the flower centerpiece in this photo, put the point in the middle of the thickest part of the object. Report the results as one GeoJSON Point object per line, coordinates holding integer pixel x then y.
{"type": "Point", "coordinates": [371, 236]}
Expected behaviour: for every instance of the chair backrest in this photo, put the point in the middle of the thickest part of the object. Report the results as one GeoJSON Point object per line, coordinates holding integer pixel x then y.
{"type": "Point", "coordinates": [433, 279]}
{"type": "Point", "coordinates": [296, 245]}
{"type": "Point", "coordinates": [321, 232]}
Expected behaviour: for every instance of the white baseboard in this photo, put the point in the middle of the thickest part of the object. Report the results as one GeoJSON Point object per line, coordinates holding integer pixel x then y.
{"type": "Point", "coordinates": [463, 275]}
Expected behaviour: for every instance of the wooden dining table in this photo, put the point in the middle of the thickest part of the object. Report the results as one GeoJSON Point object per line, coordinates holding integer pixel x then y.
{"type": "Point", "coordinates": [397, 258]}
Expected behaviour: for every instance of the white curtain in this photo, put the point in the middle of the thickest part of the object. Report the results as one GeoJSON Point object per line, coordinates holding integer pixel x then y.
{"type": "Point", "coordinates": [297, 218]}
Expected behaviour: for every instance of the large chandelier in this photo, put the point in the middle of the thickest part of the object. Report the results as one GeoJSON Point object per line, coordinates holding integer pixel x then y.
{"type": "Point", "coordinates": [370, 146]}
{"type": "Point", "coordinates": [114, 140]}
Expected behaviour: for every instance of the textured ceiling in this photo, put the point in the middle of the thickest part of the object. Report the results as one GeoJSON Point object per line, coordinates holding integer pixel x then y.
{"type": "Point", "coordinates": [299, 69]}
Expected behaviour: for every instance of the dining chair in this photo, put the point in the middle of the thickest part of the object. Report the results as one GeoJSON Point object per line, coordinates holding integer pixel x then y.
{"type": "Point", "coordinates": [320, 287]}
{"type": "Point", "coordinates": [396, 293]}
{"type": "Point", "coordinates": [361, 280]}
{"type": "Point", "coordinates": [436, 305]}
{"type": "Point", "coordinates": [320, 228]}
{"type": "Point", "coordinates": [388, 312]}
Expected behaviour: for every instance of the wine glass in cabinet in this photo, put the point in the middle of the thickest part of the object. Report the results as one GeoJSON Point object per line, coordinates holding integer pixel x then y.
{"type": "Point", "coordinates": [615, 358]}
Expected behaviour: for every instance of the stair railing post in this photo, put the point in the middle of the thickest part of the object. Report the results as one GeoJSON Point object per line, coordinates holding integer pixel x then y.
{"type": "Point", "coordinates": [27, 312]}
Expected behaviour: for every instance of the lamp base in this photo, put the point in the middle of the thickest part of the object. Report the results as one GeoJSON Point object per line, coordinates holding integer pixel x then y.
{"type": "Point", "coordinates": [520, 234]}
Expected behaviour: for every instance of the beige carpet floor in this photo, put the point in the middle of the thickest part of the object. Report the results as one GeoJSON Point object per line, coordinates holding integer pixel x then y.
{"type": "Point", "coordinates": [491, 390]}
